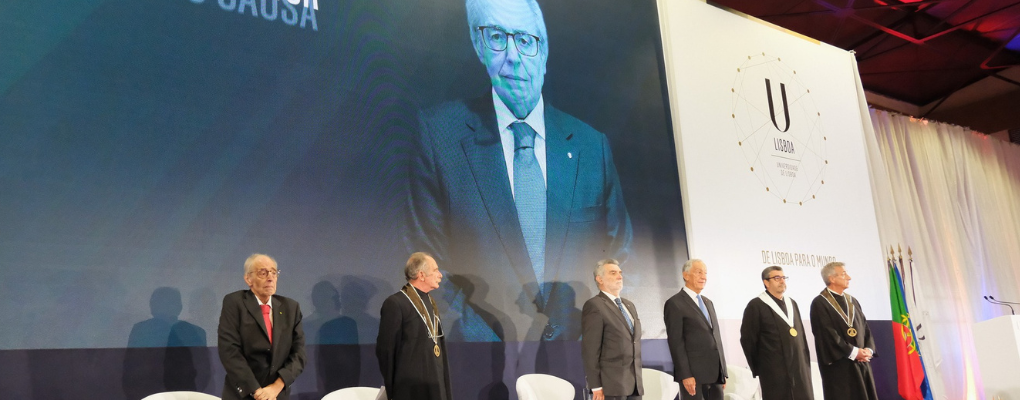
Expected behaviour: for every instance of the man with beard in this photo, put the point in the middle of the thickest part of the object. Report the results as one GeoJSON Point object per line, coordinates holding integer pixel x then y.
{"type": "Point", "coordinates": [773, 339]}
{"type": "Point", "coordinates": [611, 338]}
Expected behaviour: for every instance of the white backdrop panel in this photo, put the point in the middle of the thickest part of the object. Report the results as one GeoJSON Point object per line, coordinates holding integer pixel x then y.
{"type": "Point", "coordinates": [787, 186]}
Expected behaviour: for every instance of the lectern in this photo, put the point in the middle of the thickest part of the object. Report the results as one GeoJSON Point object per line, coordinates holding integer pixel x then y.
{"type": "Point", "coordinates": [998, 349]}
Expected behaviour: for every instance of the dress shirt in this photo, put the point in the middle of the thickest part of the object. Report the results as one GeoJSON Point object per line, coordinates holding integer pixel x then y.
{"type": "Point", "coordinates": [694, 296]}
{"type": "Point", "coordinates": [613, 298]}
{"type": "Point", "coordinates": [536, 120]}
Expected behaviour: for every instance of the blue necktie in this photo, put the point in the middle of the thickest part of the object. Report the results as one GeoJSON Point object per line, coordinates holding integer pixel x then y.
{"type": "Point", "coordinates": [630, 323]}
{"type": "Point", "coordinates": [704, 310]}
{"type": "Point", "coordinates": [529, 195]}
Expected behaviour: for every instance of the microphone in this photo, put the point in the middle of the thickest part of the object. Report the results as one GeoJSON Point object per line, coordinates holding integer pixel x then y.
{"type": "Point", "coordinates": [991, 299]}
{"type": "Point", "coordinates": [1000, 301]}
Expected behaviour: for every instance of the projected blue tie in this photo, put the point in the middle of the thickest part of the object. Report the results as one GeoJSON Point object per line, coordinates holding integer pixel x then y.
{"type": "Point", "coordinates": [630, 323]}
{"type": "Point", "coordinates": [529, 195]}
{"type": "Point", "coordinates": [704, 310]}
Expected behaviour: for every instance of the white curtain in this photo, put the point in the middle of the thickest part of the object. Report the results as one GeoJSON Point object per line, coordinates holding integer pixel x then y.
{"type": "Point", "coordinates": [952, 196]}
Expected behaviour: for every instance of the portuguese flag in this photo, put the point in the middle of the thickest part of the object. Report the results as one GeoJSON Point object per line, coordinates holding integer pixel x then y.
{"type": "Point", "coordinates": [909, 368]}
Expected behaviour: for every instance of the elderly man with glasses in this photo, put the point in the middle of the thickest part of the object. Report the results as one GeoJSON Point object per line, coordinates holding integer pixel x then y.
{"type": "Point", "coordinates": [843, 341]}
{"type": "Point", "coordinates": [774, 342]}
{"type": "Point", "coordinates": [261, 342]}
{"type": "Point", "coordinates": [505, 186]}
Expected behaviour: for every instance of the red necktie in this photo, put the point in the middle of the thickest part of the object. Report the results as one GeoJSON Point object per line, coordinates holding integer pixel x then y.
{"type": "Point", "coordinates": [266, 310]}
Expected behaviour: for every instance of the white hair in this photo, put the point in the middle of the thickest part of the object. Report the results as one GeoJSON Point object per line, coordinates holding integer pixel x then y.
{"type": "Point", "coordinates": [475, 9]}
{"type": "Point", "coordinates": [829, 270]}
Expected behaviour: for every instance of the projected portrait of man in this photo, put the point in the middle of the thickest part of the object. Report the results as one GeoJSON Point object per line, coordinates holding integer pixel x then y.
{"type": "Point", "coordinates": [506, 186]}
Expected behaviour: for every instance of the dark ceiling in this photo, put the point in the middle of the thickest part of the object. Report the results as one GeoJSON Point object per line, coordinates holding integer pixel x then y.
{"type": "Point", "coordinates": [917, 51]}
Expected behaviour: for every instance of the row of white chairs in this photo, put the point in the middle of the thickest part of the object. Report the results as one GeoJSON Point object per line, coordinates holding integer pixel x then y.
{"type": "Point", "coordinates": [658, 385]}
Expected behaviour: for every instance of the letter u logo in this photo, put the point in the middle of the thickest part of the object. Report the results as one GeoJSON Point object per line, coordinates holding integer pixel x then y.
{"type": "Point", "coordinates": [772, 109]}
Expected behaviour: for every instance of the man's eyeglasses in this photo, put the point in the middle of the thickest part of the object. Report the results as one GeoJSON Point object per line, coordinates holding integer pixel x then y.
{"type": "Point", "coordinates": [778, 279]}
{"type": "Point", "coordinates": [264, 273]}
{"type": "Point", "coordinates": [497, 39]}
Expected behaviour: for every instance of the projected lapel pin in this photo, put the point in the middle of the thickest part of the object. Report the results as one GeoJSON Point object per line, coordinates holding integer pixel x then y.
{"type": "Point", "coordinates": [570, 155]}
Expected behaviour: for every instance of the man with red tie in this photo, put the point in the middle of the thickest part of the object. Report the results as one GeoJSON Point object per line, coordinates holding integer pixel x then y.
{"type": "Point", "coordinates": [261, 342]}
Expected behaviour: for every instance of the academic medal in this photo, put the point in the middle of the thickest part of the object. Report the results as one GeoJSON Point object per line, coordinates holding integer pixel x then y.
{"type": "Point", "coordinates": [419, 306]}
{"type": "Point", "coordinates": [848, 319]}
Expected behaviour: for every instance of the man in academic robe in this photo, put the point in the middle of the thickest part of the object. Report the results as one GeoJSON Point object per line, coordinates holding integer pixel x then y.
{"type": "Point", "coordinates": [410, 347]}
{"type": "Point", "coordinates": [843, 341]}
{"type": "Point", "coordinates": [692, 333]}
{"type": "Point", "coordinates": [611, 338]}
{"type": "Point", "coordinates": [260, 339]}
{"type": "Point", "coordinates": [773, 339]}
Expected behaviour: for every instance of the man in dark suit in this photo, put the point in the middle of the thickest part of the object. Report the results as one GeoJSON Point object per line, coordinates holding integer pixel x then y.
{"type": "Point", "coordinates": [773, 339]}
{"type": "Point", "coordinates": [611, 338]}
{"type": "Point", "coordinates": [507, 187]}
{"type": "Point", "coordinates": [261, 341]}
{"type": "Point", "coordinates": [410, 348]}
{"type": "Point", "coordinates": [692, 333]}
{"type": "Point", "coordinates": [843, 341]}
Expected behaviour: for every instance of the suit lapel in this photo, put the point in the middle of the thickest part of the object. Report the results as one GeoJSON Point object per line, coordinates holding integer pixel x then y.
{"type": "Point", "coordinates": [484, 153]}
{"type": "Point", "coordinates": [561, 157]}
{"type": "Point", "coordinates": [252, 304]}
{"type": "Point", "coordinates": [691, 303]}
{"type": "Point", "coordinates": [711, 313]}
{"type": "Point", "coordinates": [277, 322]}
{"type": "Point", "coordinates": [615, 310]}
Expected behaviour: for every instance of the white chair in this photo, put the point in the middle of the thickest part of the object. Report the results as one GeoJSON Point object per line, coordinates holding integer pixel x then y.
{"type": "Point", "coordinates": [741, 384]}
{"type": "Point", "coordinates": [544, 387]}
{"type": "Point", "coordinates": [180, 396]}
{"type": "Point", "coordinates": [353, 393]}
{"type": "Point", "coordinates": [659, 385]}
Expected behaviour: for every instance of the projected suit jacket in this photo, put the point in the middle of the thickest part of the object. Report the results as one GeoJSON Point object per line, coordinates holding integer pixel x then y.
{"type": "Point", "coordinates": [250, 361]}
{"type": "Point", "coordinates": [461, 208]}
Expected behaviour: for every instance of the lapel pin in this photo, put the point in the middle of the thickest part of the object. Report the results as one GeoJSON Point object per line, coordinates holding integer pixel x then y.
{"type": "Point", "coordinates": [570, 155]}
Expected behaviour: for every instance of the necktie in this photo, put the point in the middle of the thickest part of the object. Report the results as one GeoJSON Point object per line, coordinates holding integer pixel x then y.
{"type": "Point", "coordinates": [266, 310]}
{"type": "Point", "coordinates": [704, 310]}
{"type": "Point", "coordinates": [529, 195]}
{"type": "Point", "coordinates": [626, 316]}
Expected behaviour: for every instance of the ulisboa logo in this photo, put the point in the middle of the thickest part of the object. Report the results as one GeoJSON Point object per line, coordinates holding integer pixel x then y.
{"type": "Point", "coordinates": [779, 129]}
{"type": "Point", "coordinates": [290, 12]}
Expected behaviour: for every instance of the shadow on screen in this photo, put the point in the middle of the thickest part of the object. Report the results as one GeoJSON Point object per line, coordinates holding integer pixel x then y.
{"type": "Point", "coordinates": [165, 353]}
{"type": "Point", "coordinates": [340, 323]}
{"type": "Point", "coordinates": [478, 312]}
{"type": "Point", "coordinates": [557, 301]}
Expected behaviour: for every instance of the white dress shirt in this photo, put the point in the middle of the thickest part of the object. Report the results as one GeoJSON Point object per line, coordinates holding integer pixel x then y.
{"type": "Point", "coordinates": [694, 296]}
{"type": "Point", "coordinates": [613, 298]}
{"type": "Point", "coordinates": [536, 120]}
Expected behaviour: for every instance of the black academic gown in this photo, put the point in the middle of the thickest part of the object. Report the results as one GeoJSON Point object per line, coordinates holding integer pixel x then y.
{"type": "Point", "coordinates": [842, 378]}
{"type": "Point", "coordinates": [781, 361]}
{"type": "Point", "coordinates": [410, 368]}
